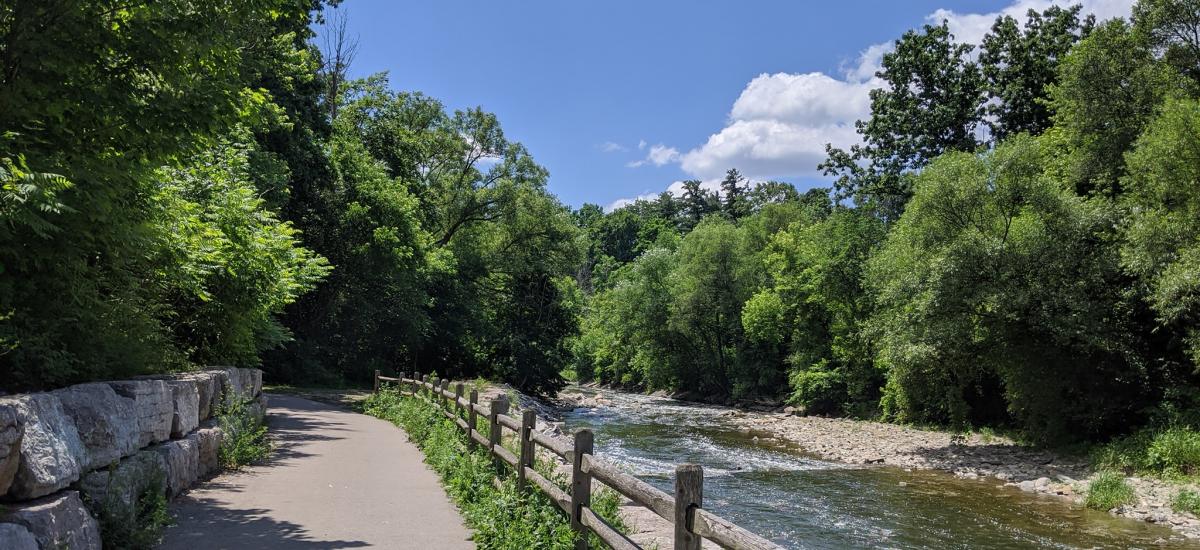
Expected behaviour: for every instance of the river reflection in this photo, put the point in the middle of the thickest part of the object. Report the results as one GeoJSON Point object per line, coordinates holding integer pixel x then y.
{"type": "Point", "coordinates": [803, 502]}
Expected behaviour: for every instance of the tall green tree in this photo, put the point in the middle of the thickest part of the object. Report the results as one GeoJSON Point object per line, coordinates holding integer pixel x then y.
{"type": "Point", "coordinates": [1019, 64]}
{"type": "Point", "coordinates": [103, 94]}
{"type": "Point", "coordinates": [1162, 242]}
{"type": "Point", "coordinates": [814, 310]}
{"type": "Point", "coordinates": [1000, 295]}
{"type": "Point", "coordinates": [1109, 86]}
{"type": "Point", "coordinates": [932, 104]}
{"type": "Point", "coordinates": [734, 202]}
{"type": "Point", "coordinates": [1172, 29]}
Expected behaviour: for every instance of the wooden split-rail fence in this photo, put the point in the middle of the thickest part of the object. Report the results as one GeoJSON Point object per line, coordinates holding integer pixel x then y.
{"type": "Point", "coordinates": [684, 509]}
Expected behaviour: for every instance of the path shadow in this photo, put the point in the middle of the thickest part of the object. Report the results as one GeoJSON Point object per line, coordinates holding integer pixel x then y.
{"type": "Point", "coordinates": [206, 522]}
{"type": "Point", "coordinates": [290, 429]}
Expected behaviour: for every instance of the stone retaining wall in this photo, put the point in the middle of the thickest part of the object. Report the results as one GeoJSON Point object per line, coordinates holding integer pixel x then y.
{"type": "Point", "coordinates": [104, 442]}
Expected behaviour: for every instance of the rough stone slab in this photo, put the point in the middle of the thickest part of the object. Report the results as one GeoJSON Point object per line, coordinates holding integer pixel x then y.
{"type": "Point", "coordinates": [185, 399]}
{"type": "Point", "coordinates": [16, 537]}
{"type": "Point", "coordinates": [11, 432]}
{"type": "Point", "coordinates": [229, 385]}
{"type": "Point", "coordinates": [116, 490]}
{"type": "Point", "coordinates": [251, 382]}
{"type": "Point", "coordinates": [208, 445]}
{"type": "Point", "coordinates": [182, 457]}
{"type": "Point", "coordinates": [52, 456]}
{"type": "Point", "coordinates": [258, 407]}
{"type": "Point", "coordinates": [107, 423]}
{"type": "Point", "coordinates": [208, 387]}
{"type": "Point", "coordinates": [154, 405]}
{"type": "Point", "coordinates": [58, 521]}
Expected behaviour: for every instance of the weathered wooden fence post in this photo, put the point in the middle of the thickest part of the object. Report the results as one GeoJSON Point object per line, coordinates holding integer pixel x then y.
{"type": "Point", "coordinates": [458, 395]}
{"type": "Point", "coordinates": [445, 401]}
{"type": "Point", "coordinates": [433, 386]}
{"type": "Point", "coordinates": [581, 487]}
{"type": "Point", "coordinates": [499, 407]}
{"type": "Point", "coordinates": [528, 420]}
{"type": "Point", "coordinates": [689, 495]}
{"type": "Point", "coordinates": [376, 390]}
{"type": "Point", "coordinates": [471, 416]}
{"type": "Point", "coordinates": [412, 385]}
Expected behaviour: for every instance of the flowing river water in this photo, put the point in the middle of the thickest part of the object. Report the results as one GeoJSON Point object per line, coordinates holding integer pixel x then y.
{"type": "Point", "coordinates": [800, 501]}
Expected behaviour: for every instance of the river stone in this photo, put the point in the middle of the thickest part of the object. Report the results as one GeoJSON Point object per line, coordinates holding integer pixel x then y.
{"type": "Point", "coordinates": [154, 406]}
{"type": "Point", "coordinates": [11, 432]}
{"type": "Point", "coordinates": [116, 489]}
{"type": "Point", "coordinates": [58, 521]}
{"type": "Point", "coordinates": [52, 456]}
{"type": "Point", "coordinates": [106, 422]}
{"type": "Point", "coordinates": [208, 446]}
{"type": "Point", "coordinates": [16, 537]}
{"type": "Point", "coordinates": [182, 457]}
{"type": "Point", "coordinates": [185, 400]}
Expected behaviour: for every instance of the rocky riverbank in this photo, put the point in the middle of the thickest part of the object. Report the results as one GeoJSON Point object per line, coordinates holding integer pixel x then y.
{"type": "Point", "coordinates": [974, 457]}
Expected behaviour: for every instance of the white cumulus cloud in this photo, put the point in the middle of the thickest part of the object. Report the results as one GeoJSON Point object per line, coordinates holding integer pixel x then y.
{"type": "Point", "coordinates": [971, 27]}
{"type": "Point", "coordinates": [779, 125]}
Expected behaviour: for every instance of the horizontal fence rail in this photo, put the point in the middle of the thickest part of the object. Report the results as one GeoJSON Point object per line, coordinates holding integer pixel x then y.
{"type": "Point", "coordinates": [684, 509]}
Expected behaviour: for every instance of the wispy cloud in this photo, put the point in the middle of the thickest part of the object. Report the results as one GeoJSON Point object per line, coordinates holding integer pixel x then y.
{"type": "Point", "coordinates": [612, 147]}
{"type": "Point", "coordinates": [659, 155]}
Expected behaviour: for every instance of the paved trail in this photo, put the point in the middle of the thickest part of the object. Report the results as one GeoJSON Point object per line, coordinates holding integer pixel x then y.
{"type": "Point", "coordinates": [335, 480]}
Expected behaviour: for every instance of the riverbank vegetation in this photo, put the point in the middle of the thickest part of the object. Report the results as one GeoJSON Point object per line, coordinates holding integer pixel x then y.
{"type": "Point", "coordinates": [1013, 245]}
{"type": "Point", "coordinates": [1108, 490]}
{"type": "Point", "coordinates": [499, 516]}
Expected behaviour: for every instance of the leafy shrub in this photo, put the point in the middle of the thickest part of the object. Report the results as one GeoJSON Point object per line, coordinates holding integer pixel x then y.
{"type": "Point", "coordinates": [137, 526]}
{"type": "Point", "coordinates": [1175, 451]}
{"type": "Point", "coordinates": [1109, 490]}
{"type": "Point", "coordinates": [1187, 501]}
{"type": "Point", "coordinates": [1171, 451]}
{"type": "Point", "coordinates": [503, 517]}
{"type": "Point", "coordinates": [244, 437]}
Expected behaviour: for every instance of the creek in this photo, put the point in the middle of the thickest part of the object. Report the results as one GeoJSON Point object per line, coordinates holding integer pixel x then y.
{"type": "Point", "coordinates": [800, 501]}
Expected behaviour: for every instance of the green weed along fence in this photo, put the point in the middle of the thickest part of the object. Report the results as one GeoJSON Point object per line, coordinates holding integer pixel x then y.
{"type": "Point", "coordinates": [684, 510]}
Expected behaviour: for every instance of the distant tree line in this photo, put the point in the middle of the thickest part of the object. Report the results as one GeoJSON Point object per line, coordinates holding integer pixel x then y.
{"type": "Point", "coordinates": [1015, 242]}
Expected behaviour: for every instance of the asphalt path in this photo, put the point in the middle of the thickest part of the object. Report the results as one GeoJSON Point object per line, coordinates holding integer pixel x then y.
{"type": "Point", "coordinates": [336, 479]}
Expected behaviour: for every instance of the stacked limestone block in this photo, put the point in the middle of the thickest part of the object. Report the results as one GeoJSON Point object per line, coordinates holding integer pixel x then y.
{"type": "Point", "coordinates": [106, 443]}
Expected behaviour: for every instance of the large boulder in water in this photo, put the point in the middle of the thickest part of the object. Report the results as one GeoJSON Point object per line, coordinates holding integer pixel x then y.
{"type": "Point", "coordinates": [57, 521]}
{"type": "Point", "coordinates": [185, 399]}
{"type": "Point", "coordinates": [11, 432]}
{"type": "Point", "coordinates": [154, 407]}
{"type": "Point", "coordinates": [52, 456]}
{"type": "Point", "coordinates": [107, 423]}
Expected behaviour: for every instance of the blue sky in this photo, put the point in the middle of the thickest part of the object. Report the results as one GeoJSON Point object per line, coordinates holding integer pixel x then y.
{"type": "Point", "coordinates": [702, 85]}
